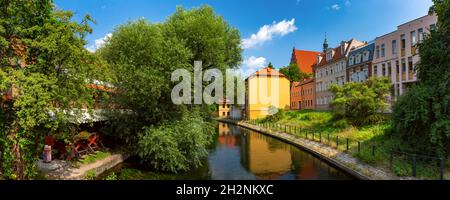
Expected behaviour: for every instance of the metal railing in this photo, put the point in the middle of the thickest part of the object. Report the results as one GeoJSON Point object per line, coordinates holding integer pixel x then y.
{"type": "Point", "coordinates": [354, 146]}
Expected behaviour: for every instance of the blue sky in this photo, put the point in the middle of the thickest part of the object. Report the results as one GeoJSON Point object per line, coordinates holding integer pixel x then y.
{"type": "Point", "coordinates": [288, 23]}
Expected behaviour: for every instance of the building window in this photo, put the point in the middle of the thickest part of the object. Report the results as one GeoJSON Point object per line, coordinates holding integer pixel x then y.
{"type": "Point", "coordinates": [329, 55]}
{"type": "Point", "coordinates": [383, 68]}
{"type": "Point", "coordinates": [223, 113]}
{"type": "Point", "coordinates": [389, 69]}
{"type": "Point", "coordinates": [228, 106]}
{"type": "Point", "coordinates": [223, 106]}
{"type": "Point", "coordinates": [228, 113]}
{"type": "Point", "coordinates": [403, 69]}
{"type": "Point", "coordinates": [378, 51]}
{"type": "Point", "coordinates": [394, 47]}
{"type": "Point", "coordinates": [432, 27]}
{"type": "Point", "coordinates": [413, 38]}
{"type": "Point", "coordinates": [358, 58]}
{"type": "Point", "coordinates": [383, 50]}
{"type": "Point", "coordinates": [365, 56]}
{"type": "Point", "coordinates": [410, 68]}
{"type": "Point", "coordinates": [402, 44]}
{"type": "Point", "coordinates": [420, 35]}
{"type": "Point", "coordinates": [397, 70]}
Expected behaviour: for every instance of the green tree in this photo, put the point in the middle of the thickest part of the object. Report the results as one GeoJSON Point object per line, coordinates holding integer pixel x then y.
{"type": "Point", "coordinates": [44, 68]}
{"type": "Point", "coordinates": [271, 65]}
{"type": "Point", "coordinates": [361, 102]}
{"type": "Point", "coordinates": [294, 74]}
{"type": "Point", "coordinates": [207, 36]}
{"type": "Point", "coordinates": [142, 57]}
{"type": "Point", "coordinates": [422, 114]}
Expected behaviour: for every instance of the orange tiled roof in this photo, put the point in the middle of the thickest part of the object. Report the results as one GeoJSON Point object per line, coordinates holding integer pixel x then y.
{"type": "Point", "coordinates": [295, 84]}
{"type": "Point", "coordinates": [101, 88]}
{"type": "Point", "coordinates": [305, 60]}
{"type": "Point", "coordinates": [267, 72]}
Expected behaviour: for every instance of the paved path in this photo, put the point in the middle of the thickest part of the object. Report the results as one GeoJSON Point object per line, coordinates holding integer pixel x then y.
{"type": "Point", "coordinates": [342, 160]}
{"type": "Point", "coordinates": [62, 170]}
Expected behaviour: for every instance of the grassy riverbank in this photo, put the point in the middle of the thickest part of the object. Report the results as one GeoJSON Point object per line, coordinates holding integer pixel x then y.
{"type": "Point", "coordinates": [375, 141]}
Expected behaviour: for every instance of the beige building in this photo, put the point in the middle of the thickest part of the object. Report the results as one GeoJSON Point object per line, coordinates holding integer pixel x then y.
{"type": "Point", "coordinates": [331, 69]}
{"type": "Point", "coordinates": [396, 53]}
{"type": "Point", "coordinates": [224, 110]}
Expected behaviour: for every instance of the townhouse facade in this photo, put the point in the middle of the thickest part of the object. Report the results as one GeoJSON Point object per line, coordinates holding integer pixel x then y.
{"type": "Point", "coordinates": [359, 67]}
{"type": "Point", "coordinates": [296, 96]}
{"type": "Point", "coordinates": [331, 69]}
{"type": "Point", "coordinates": [303, 95]}
{"type": "Point", "coordinates": [224, 108]}
{"type": "Point", "coordinates": [396, 53]}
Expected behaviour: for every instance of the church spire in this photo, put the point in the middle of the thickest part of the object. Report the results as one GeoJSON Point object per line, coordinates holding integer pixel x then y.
{"type": "Point", "coordinates": [325, 43]}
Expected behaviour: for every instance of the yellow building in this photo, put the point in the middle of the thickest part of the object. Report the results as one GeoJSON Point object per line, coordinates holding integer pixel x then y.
{"type": "Point", "coordinates": [264, 89]}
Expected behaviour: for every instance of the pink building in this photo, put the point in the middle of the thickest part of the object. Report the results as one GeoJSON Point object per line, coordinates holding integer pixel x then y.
{"type": "Point", "coordinates": [396, 53]}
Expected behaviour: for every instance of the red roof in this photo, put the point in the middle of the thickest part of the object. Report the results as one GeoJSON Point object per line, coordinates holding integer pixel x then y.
{"type": "Point", "coordinates": [267, 72]}
{"type": "Point", "coordinates": [306, 81]}
{"type": "Point", "coordinates": [305, 60]}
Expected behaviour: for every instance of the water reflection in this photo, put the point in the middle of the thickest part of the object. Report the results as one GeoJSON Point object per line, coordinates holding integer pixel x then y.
{"type": "Point", "coordinates": [241, 154]}
{"type": "Point", "coordinates": [244, 154]}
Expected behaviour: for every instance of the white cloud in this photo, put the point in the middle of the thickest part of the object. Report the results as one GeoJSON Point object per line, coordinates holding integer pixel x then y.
{"type": "Point", "coordinates": [255, 62]}
{"type": "Point", "coordinates": [336, 7]}
{"type": "Point", "coordinates": [98, 43]}
{"type": "Point", "coordinates": [267, 32]}
{"type": "Point", "coordinates": [251, 65]}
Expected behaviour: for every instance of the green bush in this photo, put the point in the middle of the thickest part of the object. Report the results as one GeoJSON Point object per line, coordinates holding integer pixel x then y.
{"type": "Point", "coordinates": [361, 102]}
{"type": "Point", "coordinates": [340, 124]}
{"type": "Point", "coordinates": [175, 146]}
{"type": "Point", "coordinates": [275, 114]}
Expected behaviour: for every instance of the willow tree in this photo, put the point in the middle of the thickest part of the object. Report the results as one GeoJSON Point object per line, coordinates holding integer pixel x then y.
{"type": "Point", "coordinates": [43, 71]}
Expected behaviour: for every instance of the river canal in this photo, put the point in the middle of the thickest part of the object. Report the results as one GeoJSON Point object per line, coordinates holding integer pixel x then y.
{"type": "Point", "coordinates": [241, 154]}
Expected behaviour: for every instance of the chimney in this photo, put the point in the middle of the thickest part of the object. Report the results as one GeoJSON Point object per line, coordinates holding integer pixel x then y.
{"type": "Point", "coordinates": [343, 47]}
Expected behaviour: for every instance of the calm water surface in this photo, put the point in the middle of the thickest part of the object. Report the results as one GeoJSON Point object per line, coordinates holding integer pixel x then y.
{"type": "Point", "coordinates": [241, 154]}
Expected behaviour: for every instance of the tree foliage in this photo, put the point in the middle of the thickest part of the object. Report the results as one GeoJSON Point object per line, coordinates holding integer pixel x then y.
{"type": "Point", "coordinates": [43, 69]}
{"type": "Point", "coordinates": [208, 37]}
{"type": "Point", "coordinates": [361, 102]}
{"type": "Point", "coordinates": [422, 114]}
{"type": "Point", "coordinates": [293, 73]}
{"type": "Point", "coordinates": [176, 146]}
{"type": "Point", "coordinates": [142, 57]}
